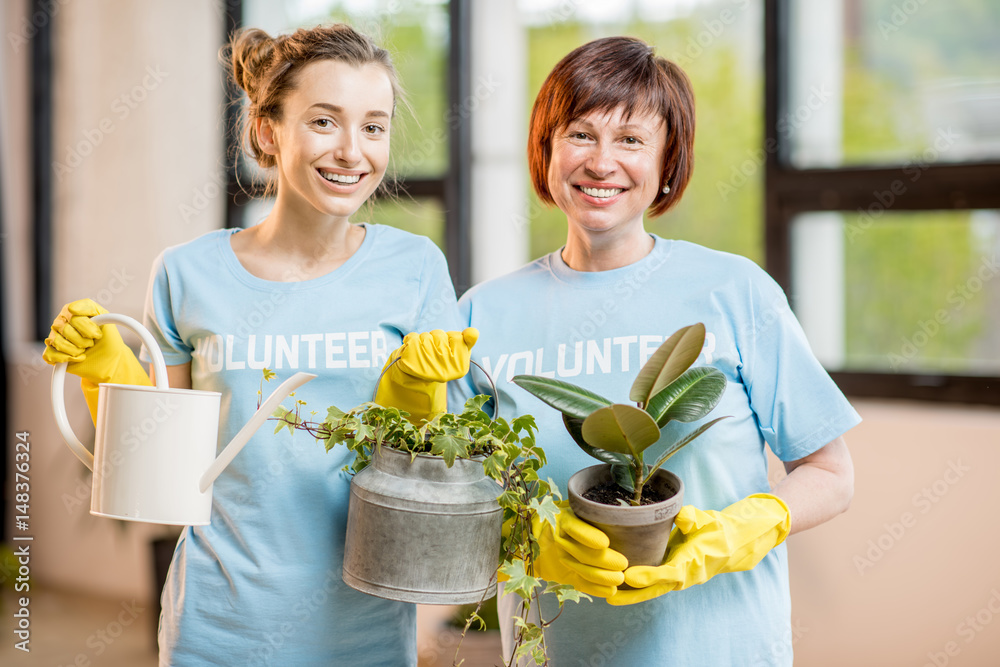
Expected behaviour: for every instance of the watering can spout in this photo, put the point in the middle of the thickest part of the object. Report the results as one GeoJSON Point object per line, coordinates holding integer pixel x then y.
{"type": "Point", "coordinates": [256, 421]}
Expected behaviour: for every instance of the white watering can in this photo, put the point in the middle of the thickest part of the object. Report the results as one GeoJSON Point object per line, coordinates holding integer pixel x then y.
{"type": "Point", "coordinates": [154, 452]}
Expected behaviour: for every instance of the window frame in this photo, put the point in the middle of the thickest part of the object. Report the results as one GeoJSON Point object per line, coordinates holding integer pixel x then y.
{"type": "Point", "coordinates": [790, 191]}
{"type": "Point", "coordinates": [452, 189]}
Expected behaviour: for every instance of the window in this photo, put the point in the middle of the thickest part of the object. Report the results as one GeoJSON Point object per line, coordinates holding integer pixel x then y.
{"type": "Point", "coordinates": [719, 45]}
{"type": "Point", "coordinates": [882, 123]}
{"type": "Point", "coordinates": [428, 167]}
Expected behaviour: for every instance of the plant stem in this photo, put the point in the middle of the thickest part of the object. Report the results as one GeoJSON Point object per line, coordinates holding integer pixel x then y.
{"type": "Point", "coordinates": [639, 482]}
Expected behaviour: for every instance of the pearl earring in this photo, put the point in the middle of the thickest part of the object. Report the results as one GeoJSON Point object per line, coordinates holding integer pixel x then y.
{"type": "Point", "coordinates": [666, 189]}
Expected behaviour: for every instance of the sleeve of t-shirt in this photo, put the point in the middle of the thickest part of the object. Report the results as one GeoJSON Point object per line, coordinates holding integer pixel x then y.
{"type": "Point", "coordinates": [438, 306]}
{"type": "Point", "coordinates": [799, 408]}
{"type": "Point", "coordinates": [158, 317]}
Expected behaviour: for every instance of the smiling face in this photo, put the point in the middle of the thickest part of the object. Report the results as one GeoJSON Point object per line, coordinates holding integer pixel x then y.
{"type": "Point", "coordinates": [332, 142]}
{"type": "Point", "coordinates": [605, 169]}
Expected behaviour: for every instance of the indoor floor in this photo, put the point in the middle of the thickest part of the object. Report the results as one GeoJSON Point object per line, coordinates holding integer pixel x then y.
{"type": "Point", "coordinates": [69, 629]}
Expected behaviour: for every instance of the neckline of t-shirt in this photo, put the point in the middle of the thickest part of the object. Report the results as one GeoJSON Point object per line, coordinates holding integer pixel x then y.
{"type": "Point", "coordinates": [247, 278]}
{"type": "Point", "coordinates": [601, 279]}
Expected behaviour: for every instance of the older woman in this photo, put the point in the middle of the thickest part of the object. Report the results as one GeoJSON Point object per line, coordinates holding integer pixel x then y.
{"type": "Point", "coordinates": [611, 138]}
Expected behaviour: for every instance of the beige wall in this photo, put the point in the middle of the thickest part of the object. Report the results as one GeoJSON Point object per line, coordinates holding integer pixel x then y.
{"type": "Point", "coordinates": [895, 579]}
{"type": "Point", "coordinates": [137, 167]}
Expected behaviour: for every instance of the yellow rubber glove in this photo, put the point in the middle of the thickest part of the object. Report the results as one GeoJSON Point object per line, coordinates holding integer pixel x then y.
{"type": "Point", "coordinates": [416, 383]}
{"type": "Point", "coordinates": [577, 554]}
{"type": "Point", "coordinates": [94, 353]}
{"type": "Point", "coordinates": [706, 543]}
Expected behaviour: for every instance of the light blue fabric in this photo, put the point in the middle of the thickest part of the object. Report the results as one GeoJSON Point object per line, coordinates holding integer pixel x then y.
{"type": "Point", "coordinates": [596, 330]}
{"type": "Point", "coordinates": [262, 584]}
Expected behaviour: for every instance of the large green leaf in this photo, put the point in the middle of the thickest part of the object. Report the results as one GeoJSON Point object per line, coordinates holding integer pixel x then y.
{"type": "Point", "coordinates": [575, 427]}
{"type": "Point", "coordinates": [450, 447]}
{"type": "Point", "coordinates": [670, 360]}
{"type": "Point", "coordinates": [690, 397]}
{"type": "Point", "coordinates": [565, 397]}
{"type": "Point", "coordinates": [676, 447]}
{"type": "Point", "coordinates": [621, 428]}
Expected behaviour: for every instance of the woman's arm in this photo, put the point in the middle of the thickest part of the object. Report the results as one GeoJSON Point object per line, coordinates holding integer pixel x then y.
{"type": "Point", "coordinates": [818, 487]}
{"type": "Point", "coordinates": [178, 377]}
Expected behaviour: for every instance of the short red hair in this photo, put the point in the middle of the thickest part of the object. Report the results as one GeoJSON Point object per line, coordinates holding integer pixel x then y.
{"type": "Point", "coordinates": [601, 76]}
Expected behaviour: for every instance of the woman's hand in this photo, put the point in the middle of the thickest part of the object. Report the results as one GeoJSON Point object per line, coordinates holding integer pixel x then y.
{"type": "Point", "coordinates": [416, 383]}
{"type": "Point", "coordinates": [94, 353]}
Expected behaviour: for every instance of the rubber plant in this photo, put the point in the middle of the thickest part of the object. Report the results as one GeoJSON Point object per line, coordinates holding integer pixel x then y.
{"type": "Point", "coordinates": [510, 456]}
{"type": "Point", "coordinates": [667, 389]}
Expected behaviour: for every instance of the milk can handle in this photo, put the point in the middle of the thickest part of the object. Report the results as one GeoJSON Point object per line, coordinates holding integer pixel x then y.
{"type": "Point", "coordinates": [496, 395]}
{"type": "Point", "coordinates": [59, 381]}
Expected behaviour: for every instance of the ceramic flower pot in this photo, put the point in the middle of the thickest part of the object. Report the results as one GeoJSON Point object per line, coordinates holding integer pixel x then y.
{"type": "Point", "coordinates": [640, 533]}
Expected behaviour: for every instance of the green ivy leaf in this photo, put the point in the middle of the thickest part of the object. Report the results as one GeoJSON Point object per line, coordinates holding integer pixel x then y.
{"type": "Point", "coordinates": [531, 643]}
{"type": "Point", "coordinates": [494, 466]}
{"type": "Point", "coordinates": [546, 509]}
{"type": "Point", "coordinates": [566, 593]}
{"type": "Point", "coordinates": [509, 499]}
{"type": "Point", "coordinates": [450, 447]}
{"type": "Point", "coordinates": [518, 580]}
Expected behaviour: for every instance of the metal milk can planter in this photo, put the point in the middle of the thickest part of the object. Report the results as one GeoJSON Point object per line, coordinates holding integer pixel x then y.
{"type": "Point", "coordinates": [418, 531]}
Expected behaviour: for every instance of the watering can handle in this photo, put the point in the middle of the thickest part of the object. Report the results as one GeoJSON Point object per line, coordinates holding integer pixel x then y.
{"type": "Point", "coordinates": [59, 381]}
{"type": "Point", "coordinates": [496, 395]}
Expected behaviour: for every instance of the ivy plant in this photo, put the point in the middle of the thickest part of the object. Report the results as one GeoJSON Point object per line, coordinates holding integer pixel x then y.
{"type": "Point", "coordinates": [509, 454]}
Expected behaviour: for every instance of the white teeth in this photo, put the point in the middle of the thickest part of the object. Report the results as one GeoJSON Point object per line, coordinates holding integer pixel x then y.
{"type": "Point", "coordinates": [340, 178]}
{"type": "Point", "coordinates": [600, 193]}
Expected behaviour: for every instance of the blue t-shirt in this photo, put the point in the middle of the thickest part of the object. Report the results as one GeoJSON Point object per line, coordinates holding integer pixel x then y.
{"type": "Point", "coordinates": [596, 330]}
{"type": "Point", "coordinates": [262, 584]}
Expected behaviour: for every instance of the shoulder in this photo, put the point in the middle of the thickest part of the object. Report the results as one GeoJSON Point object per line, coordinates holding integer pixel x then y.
{"type": "Point", "coordinates": [403, 248]}
{"type": "Point", "coordinates": [401, 239]}
{"type": "Point", "coordinates": [716, 260]}
{"type": "Point", "coordinates": [531, 276]}
{"type": "Point", "coordinates": [723, 271]}
{"type": "Point", "coordinates": [197, 248]}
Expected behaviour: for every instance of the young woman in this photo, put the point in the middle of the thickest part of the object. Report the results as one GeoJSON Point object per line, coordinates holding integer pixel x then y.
{"type": "Point", "coordinates": [611, 136]}
{"type": "Point", "coordinates": [306, 289]}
